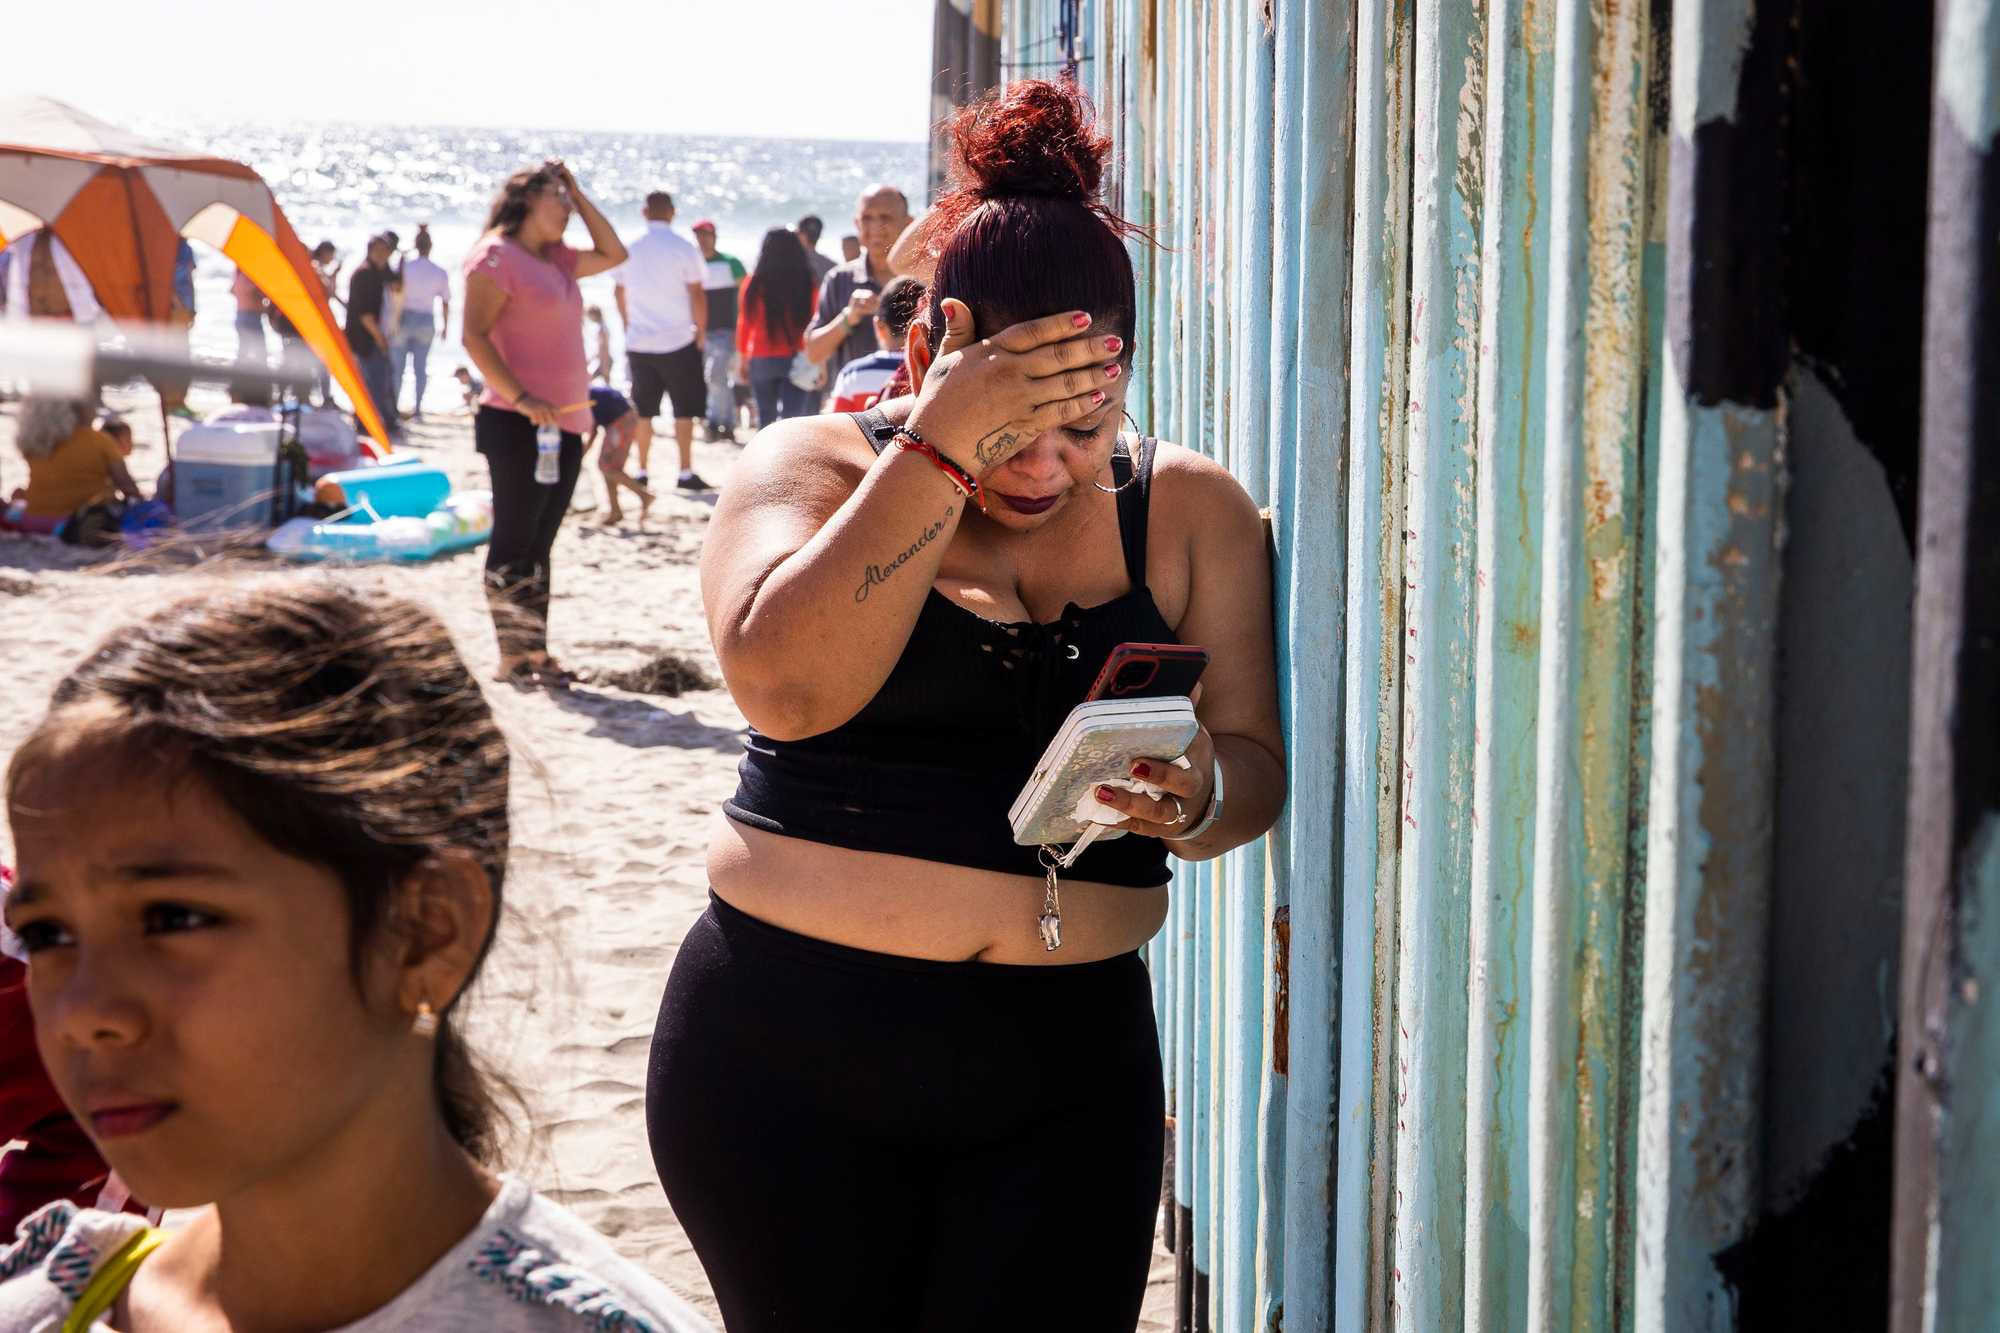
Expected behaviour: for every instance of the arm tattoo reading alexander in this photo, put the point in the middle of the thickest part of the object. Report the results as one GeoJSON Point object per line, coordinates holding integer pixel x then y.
{"type": "Point", "coordinates": [994, 446]}
{"type": "Point", "coordinates": [882, 573]}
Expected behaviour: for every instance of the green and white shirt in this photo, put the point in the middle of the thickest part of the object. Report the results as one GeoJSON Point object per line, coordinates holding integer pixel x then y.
{"type": "Point", "coordinates": [721, 280]}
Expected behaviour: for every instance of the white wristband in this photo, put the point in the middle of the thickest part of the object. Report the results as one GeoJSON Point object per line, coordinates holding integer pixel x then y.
{"type": "Point", "coordinates": [1214, 809]}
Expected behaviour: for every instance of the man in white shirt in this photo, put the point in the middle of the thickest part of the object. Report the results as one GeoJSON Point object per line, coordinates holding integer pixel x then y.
{"type": "Point", "coordinates": [426, 313]}
{"type": "Point", "coordinates": [665, 312]}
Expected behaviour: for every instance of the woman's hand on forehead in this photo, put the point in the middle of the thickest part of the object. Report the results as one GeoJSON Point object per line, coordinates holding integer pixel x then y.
{"type": "Point", "coordinates": [984, 400]}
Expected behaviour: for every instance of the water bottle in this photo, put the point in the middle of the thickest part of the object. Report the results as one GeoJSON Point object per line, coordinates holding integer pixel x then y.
{"type": "Point", "coordinates": [548, 455]}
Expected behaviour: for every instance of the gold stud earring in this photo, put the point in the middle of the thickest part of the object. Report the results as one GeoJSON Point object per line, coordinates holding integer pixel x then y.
{"type": "Point", "coordinates": [426, 1022]}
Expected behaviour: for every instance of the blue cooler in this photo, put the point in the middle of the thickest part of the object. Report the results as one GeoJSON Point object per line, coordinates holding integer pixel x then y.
{"type": "Point", "coordinates": [226, 476]}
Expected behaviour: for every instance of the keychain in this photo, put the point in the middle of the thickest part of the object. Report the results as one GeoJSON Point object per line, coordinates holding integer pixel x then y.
{"type": "Point", "coordinates": [1051, 922]}
{"type": "Point", "coordinates": [1054, 861]}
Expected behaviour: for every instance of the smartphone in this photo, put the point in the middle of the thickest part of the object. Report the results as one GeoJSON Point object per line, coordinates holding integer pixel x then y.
{"type": "Point", "coordinates": [1149, 671]}
{"type": "Point", "coordinates": [1098, 742]}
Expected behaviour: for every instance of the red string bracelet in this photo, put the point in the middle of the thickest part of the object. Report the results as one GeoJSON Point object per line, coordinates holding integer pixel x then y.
{"type": "Point", "coordinates": [968, 485]}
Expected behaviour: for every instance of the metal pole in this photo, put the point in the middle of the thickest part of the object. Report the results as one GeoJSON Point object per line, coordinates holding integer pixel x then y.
{"type": "Point", "coordinates": [1709, 834]}
{"type": "Point", "coordinates": [1947, 1200]}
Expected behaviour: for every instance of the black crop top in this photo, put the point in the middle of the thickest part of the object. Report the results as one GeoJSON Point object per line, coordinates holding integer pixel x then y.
{"type": "Point", "coordinates": [929, 767]}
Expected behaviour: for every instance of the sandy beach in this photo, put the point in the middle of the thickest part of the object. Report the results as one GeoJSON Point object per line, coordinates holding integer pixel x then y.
{"type": "Point", "coordinates": [614, 791]}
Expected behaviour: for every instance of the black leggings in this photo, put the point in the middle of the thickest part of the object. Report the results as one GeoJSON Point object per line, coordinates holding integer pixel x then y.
{"type": "Point", "coordinates": [855, 1140]}
{"type": "Point", "coordinates": [526, 518]}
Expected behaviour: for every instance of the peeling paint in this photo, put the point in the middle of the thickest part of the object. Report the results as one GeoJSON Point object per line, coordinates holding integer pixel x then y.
{"type": "Point", "coordinates": [1504, 856]}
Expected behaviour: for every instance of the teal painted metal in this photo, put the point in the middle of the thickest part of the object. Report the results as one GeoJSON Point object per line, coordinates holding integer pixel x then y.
{"type": "Point", "coordinates": [1709, 818]}
{"type": "Point", "coordinates": [1372, 705]}
{"type": "Point", "coordinates": [1472, 1040]}
{"type": "Point", "coordinates": [1515, 278]}
{"type": "Point", "coordinates": [1435, 778]}
{"type": "Point", "coordinates": [1247, 1276]}
{"type": "Point", "coordinates": [1312, 224]}
{"type": "Point", "coordinates": [1267, 914]}
{"type": "Point", "coordinates": [1592, 465]}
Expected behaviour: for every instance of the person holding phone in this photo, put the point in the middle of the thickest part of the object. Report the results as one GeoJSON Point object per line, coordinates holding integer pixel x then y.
{"type": "Point", "coordinates": [907, 604]}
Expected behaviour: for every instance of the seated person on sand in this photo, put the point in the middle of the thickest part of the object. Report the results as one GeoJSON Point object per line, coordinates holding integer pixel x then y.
{"type": "Point", "coordinates": [617, 421]}
{"type": "Point", "coordinates": [470, 386]}
{"type": "Point", "coordinates": [120, 431]}
{"type": "Point", "coordinates": [70, 464]}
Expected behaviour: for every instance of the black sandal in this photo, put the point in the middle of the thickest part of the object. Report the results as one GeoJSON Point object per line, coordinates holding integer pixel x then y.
{"type": "Point", "coordinates": [522, 675]}
{"type": "Point", "coordinates": [553, 677]}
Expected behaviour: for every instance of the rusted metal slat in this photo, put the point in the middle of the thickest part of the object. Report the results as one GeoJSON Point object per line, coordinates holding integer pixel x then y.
{"type": "Point", "coordinates": [1592, 466]}
{"type": "Point", "coordinates": [1514, 276]}
{"type": "Point", "coordinates": [1432, 911]}
{"type": "Point", "coordinates": [1372, 716]}
{"type": "Point", "coordinates": [1948, 1093]}
{"type": "Point", "coordinates": [1313, 222]}
{"type": "Point", "coordinates": [1708, 853]}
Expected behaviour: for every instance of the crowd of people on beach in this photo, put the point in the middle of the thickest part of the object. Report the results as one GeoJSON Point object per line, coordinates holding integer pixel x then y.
{"type": "Point", "coordinates": [729, 348]}
{"type": "Point", "coordinates": [261, 836]}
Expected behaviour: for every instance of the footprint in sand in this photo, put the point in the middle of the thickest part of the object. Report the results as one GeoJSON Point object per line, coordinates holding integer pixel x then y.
{"type": "Point", "coordinates": [625, 1048]}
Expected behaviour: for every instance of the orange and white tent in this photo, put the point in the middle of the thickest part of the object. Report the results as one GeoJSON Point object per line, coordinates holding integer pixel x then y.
{"type": "Point", "coordinates": [120, 204]}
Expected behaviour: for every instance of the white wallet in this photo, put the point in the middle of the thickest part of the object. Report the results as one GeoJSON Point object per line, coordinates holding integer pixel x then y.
{"type": "Point", "coordinates": [1098, 743]}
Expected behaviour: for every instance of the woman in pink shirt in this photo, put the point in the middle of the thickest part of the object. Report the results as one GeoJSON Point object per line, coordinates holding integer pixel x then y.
{"type": "Point", "coordinates": [524, 330]}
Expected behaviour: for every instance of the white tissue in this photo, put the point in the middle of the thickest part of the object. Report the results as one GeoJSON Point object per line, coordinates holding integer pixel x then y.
{"type": "Point", "coordinates": [1090, 810]}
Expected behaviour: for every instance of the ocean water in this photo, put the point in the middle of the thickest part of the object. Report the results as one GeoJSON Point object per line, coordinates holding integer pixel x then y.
{"type": "Point", "coordinates": [345, 182]}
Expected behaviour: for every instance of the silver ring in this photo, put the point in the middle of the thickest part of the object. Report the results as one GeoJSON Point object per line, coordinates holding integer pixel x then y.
{"type": "Point", "coordinates": [1180, 813]}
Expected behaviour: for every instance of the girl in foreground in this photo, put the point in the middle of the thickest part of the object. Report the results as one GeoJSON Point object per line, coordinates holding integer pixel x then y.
{"type": "Point", "coordinates": [261, 838]}
{"type": "Point", "coordinates": [868, 1013]}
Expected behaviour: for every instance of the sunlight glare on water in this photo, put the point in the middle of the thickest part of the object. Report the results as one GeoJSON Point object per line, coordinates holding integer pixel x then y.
{"type": "Point", "coordinates": [344, 182]}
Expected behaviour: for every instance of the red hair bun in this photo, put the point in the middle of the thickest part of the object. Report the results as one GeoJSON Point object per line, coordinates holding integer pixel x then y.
{"type": "Point", "coordinates": [1022, 232]}
{"type": "Point", "coordinates": [1035, 137]}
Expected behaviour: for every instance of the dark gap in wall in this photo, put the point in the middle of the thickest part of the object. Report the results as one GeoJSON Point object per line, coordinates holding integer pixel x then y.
{"type": "Point", "coordinates": [1854, 141]}
{"type": "Point", "coordinates": [1823, 1262]}
{"type": "Point", "coordinates": [1726, 294]}
{"type": "Point", "coordinates": [1858, 203]}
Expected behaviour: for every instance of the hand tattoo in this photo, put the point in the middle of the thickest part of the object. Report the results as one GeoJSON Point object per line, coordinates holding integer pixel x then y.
{"type": "Point", "coordinates": [881, 573]}
{"type": "Point", "coordinates": [993, 446]}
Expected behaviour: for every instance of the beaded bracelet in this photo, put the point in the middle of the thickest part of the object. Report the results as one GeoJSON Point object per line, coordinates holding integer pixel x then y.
{"type": "Point", "coordinates": [968, 485]}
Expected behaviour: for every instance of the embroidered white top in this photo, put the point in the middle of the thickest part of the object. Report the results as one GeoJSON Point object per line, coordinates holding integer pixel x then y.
{"type": "Point", "coordinates": [530, 1266]}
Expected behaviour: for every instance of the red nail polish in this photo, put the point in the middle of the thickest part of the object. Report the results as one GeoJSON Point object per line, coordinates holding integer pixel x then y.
{"type": "Point", "coordinates": [1104, 794]}
{"type": "Point", "coordinates": [1113, 371]}
{"type": "Point", "coordinates": [1113, 344]}
{"type": "Point", "coordinates": [1142, 770]}
{"type": "Point", "coordinates": [1097, 397]}
{"type": "Point", "coordinates": [1081, 321]}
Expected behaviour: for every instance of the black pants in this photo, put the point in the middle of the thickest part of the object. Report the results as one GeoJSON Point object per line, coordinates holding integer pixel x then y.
{"type": "Point", "coordinates": [859, 1141]}
{"type": "Point", "coordinates": [526, 517]}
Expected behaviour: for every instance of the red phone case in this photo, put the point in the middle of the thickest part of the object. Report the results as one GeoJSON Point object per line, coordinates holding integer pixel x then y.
{"type": "Point", "coordinates": [1176, 668]}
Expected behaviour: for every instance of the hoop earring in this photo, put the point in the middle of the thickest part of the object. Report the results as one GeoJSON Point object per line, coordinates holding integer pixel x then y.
{"type": "Point", "coordinates": [1114, 490]}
